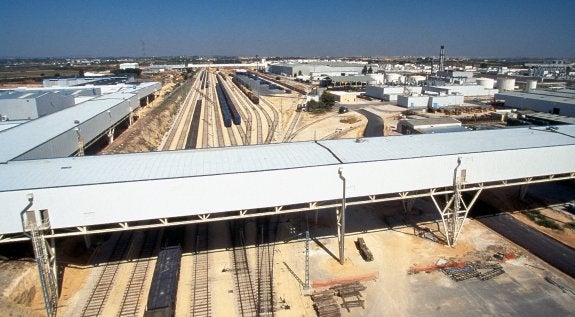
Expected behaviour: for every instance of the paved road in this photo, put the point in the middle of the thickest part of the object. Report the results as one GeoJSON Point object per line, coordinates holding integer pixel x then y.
{"type": "Point", "coordinates": [548, 249]}
{"type": "Point", "coordinates": [374, 124]}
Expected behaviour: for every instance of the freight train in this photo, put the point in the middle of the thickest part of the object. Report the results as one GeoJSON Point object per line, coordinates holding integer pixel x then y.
{"type": "Point", "coordinates": [228, 102]}
{"type": "Point", "coordinates": [164, 288]}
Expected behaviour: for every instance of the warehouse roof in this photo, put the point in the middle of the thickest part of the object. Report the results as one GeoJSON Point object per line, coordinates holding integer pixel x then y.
{"type": "Point", "coordinates": [23, 138]}
{"type": "Point", "coordinates": [537, 96]}
{"type": "Point", "coordinates": [74, 171]}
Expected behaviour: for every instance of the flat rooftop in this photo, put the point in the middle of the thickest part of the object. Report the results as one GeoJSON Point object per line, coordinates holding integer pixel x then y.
{"type": "Point", "coordinates": [71, 171]}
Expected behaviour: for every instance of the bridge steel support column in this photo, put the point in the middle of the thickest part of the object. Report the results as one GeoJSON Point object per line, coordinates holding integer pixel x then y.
{"type": "Point", "coordinates": [340, 213]}
{"type": "Point", "coordinates": [110, 135]}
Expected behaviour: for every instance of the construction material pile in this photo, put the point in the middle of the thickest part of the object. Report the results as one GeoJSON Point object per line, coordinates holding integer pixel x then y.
{"type": "Point", "coordinates": [325, 302]}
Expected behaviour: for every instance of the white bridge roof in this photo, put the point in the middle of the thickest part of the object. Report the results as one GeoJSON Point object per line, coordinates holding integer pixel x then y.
{"type": "Point", "coordinates": [95, 190]}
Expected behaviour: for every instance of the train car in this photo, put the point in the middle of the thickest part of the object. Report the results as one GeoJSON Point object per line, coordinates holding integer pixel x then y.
{"type": "Point", "coordinates": [226, 115]}
{"type": "Point", "coordinates": [164, 288]}
{"type": "Point", "coordinates": [235, 116]}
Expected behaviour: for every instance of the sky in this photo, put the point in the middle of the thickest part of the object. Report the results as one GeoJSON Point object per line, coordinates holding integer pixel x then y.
{"type": "Point", "coordinates": [487, 28]}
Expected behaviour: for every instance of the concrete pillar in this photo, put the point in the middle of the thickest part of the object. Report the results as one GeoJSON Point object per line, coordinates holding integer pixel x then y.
{"type": "Point", "coordinates": [523, 191]}
{"type": "Point", "coordinates": [408, 204]}
{"type": "Point", "coordinates": [111, 135]}
{"type": "Point", "coordinates": [87, 241]}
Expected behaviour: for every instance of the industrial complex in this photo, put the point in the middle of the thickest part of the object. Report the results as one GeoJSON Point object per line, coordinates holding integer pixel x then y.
{"type": "Point", "coordinates": [291, 187]}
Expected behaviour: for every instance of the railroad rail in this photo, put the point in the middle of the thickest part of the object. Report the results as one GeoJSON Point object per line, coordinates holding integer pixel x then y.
{"type": "Point", "coordinates": [242, 277]}
{"type": "Point", "coordinates": [201, 300]}
{"type": "Point", "coordinates": [192, 139]}
{"type": "Point", "coordinates": [294, 134]}
{"type": "Point", "coordinates": [131, 302]}
{"type": "Point", "coordinates": [101, 291]}
{"type": "Point", "coordinates": [267, 230]}
{"type": "Point", "coordinates": [218, 116]}
{"type": "Point", "coordinates": [247, 115]}
{"type": "Point", "coordinates": [178, 122]}
{"type": "Point", "coordinates": [292, 125]}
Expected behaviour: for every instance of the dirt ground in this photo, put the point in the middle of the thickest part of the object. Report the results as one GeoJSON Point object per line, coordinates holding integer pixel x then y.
{"type": "Point", "coordinates": [147, 132]}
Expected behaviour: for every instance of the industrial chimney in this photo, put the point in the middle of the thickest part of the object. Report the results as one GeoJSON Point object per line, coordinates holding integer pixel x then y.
{"type": "Point", "coordinates": [442, 59]}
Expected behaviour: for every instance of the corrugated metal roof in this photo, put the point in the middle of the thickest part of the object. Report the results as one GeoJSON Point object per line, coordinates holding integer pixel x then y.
{"type": "Point", "coordinates": [422, 145]}
{"type": "Point", "coordinates": [74, 171]}
{"type": "Point", "coordinates": [159, 165]}
{"type": "Point", "coordinates": [552, 98]}
{"type": "Point", "coordinates": [27, 136]}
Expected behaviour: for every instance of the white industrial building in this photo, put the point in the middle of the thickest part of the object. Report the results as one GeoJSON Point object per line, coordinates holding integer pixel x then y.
{"type": "Point", "coordinates": [445, 101]}
{"type": "Point", "coordinates": [429, 101]}
{"type": "Point", "coordinates": [384, 92]}
{"type": "Point", "coordinates": [557, 102]}
{"type": "Point", "coordinates": [27, 105]}
{"type": "Point", "coordinates": [320, 69]}
{"type": "Point", "coordinates": [70, 130]}
{"type": "Point", "coordinates": [413, 101]}
{"type": "Point", "coordinates": [467, 90]}
{"type": "Point", "coordinates": [129, 66]}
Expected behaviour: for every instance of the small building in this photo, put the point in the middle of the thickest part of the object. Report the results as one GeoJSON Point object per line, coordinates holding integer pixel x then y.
{"type": "Point", "coordinates": [413, 101]}
{"type": "Point", "coordinates": [429, 125]}
{"type": "Point", "coordinates": [344, 97]}
{"type": "Point", "coordinates": [383, 92]}
{"type": "Point", "coordinates": [444, 101]}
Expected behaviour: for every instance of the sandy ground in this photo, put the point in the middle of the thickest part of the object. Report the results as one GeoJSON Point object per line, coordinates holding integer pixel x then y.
{"type": "Point", "coordinates": [390, 290]}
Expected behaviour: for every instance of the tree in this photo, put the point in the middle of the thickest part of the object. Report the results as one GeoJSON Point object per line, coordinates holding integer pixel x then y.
{"type": "Point", "coordinates": [364, 70]}
{"type": "Point", "coordinates": [327, 99]}
{"type": "Point", "coordinates": [370, 70]}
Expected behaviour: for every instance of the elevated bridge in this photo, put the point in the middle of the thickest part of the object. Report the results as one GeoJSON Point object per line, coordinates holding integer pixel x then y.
{"type": "Point", "coordinates": [96, 194]}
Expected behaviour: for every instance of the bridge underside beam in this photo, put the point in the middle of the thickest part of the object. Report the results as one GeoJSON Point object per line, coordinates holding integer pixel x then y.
{"type": "Point", "coordinates": [275, 210]}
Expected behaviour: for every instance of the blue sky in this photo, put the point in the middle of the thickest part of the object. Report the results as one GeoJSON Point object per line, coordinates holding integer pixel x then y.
{"type": "Point", "coordinates": [487, 28]}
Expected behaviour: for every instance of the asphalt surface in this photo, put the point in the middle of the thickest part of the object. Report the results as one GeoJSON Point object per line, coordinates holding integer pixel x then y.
{"type": "Point", "coordinates": [548, 249]}
{"type": "Point", "coordinates": [374, 124]}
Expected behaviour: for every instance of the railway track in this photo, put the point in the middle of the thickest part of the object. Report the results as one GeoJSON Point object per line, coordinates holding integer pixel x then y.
{"type": "Point", "coordinates": [217, 115]}
{"type": "Point", "coordinates": [101, 291]}
{"type": "Point", "coordinates": [294, 134]}
{"type": "Point", "coordinates": [201, 304]}
{"type": "Point", "coordinates": [271, 123]}
{"type": "Point", "coordinates": [192, 139]}
{"type": "Point", "coordinates": [246, 117]}
{"type": "Point", "coordinates": [267, 230]}
{"type": "Point", "coordinates": [242, 278]}
{"type": "Point", "coordinates": [175, 129]}
{"type": "Point", "coordinates": [131, 302]}
{"type": "Point", "coordinates": [186, 125]}
{"type": "Point", "coordinates": [292, 126]}
{"type": "Point", "coordinates": [251, 109]}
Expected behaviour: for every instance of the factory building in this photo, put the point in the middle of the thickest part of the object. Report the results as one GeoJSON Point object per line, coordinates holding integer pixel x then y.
{"type": "Point", "coordinates": [429, 125]}
{"type": "Point", "coordinates": [467, 90]}
{"type": "Point", "coordinates": [413, 101]}
{"type": "Point", "coordinates": [560, 102]}
{"type": "Point", "coordinates": [429, 101]}
{"type": "Point", "coordinates": [27, 105]}
{"type": "Point", "coordinates": [445, 101]}
{"type": "Point", "coordinates": [383, 92]}
{"type": "Point", "coordinates": [354, 81]}
{"type": "Point", "coordinates": [320, 69]}
{"type": "Point", "coordinates": [73, 129]}
{"type": "Point", "coordinates": [129, 66]}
